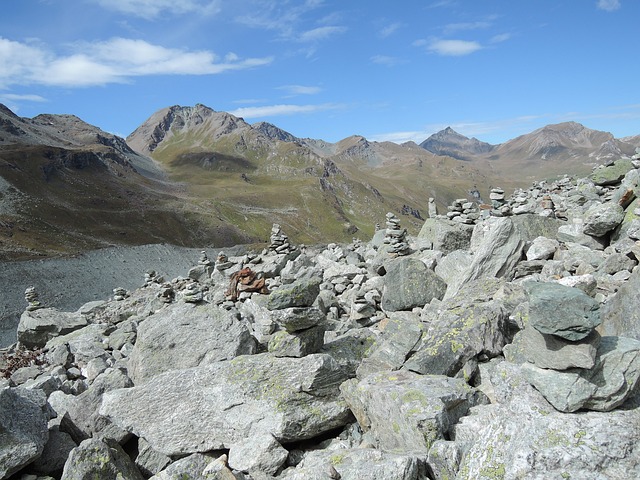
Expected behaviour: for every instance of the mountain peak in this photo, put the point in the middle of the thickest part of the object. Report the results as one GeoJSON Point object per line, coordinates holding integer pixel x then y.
{"type": "Point", "coordinates": [453, 144]}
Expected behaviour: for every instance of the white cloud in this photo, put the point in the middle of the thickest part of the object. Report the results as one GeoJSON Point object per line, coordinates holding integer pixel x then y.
{"type": "Point", "coordinates": [150, 9]}
{"type": "Point", "coordinates": [113, 61]}
{"type": "Point", "coordinates": [456, 27]}
{"type": "Point", "coordinates": [17, 97]}
{"type": "Point", "coordinates": [390, 29]}
{"type": "Point", "coordinates": [320, 33]}
{"type": "Point", "coordinates": [300, 89]}
{"type": "Point", "coordinates": [503, 37]}
{"type": "Point", "coordinates": [386, 60]}
{"type": "Point", "coordinates": [279, 110]}
{"type": "Point", "coordinates": [454, 47]}
{"type": "Point", "coordinates": [608, 5]}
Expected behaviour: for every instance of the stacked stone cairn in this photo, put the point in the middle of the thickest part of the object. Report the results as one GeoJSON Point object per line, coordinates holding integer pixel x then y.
{"type": "Point", "coordinates": [279, 241]}
{"type": "Point", "coordinates": [31, 297]}
{"type": "Point", "coordinates": [499, 204]}
{"type": "Point", "coordinates": [192, 293]}
{"type": "Point", "coordinates": [151, 278]}
{"type": "Point", "coordinates": [463, 211]}
{"type": "Point", "coordinates": [396, 237]}
{"type": "Point", "coordinates": [120, 294]}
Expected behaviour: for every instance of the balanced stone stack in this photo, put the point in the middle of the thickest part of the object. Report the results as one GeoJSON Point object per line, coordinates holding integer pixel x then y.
{"type": "Point", "coordinates": [280, 241]}
{"type": "Point", "coordinates": [120, 293]}
{"type": "Point", "coordinates": [463, 211]}
{"type": "Point", "coordinates": [396, 236]}
{"type": "Point", "coordinates": [201, 272]}
{"type": "Point", "coordinates": [499, 203]}
{"type": "Point", "coordinates": [192, 293]}
{"type": "Point", "coordinates": [565, 358]}
{"type": "Point", "coordinates": [31, 296]}
{"type": "Point", "coordinates": [167, 294]}
{"type": "Point", "coordinates": [222, 262]}
{"type": "Point", "coordinates": [433, 211]}
{"type": "Point", "coordinates": [151, 277]}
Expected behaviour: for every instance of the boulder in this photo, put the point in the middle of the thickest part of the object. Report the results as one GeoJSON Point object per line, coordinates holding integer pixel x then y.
{"type": "Point", "coordinates": [621, 314]}
{"type": "Point", "coordinates": [258, 453]}
{"type": "Point", "coordinates": [356, 463]}
{"type": "Point", "coordinates": [446, 235]}
{"type": "Point", "coordinates": [550, 351]}
{"type": "Point", "coordinates": [408, 283]}
{"type": "Point", "coordinates": [407, 412]}
{"type": "Point", "coordinates": [192, 466]}
{"type": "Point", "coordinates": [215, 406]}
{"type": "Point", "coordinates": [521, 436]}
{"type": "Point", "coordinates": [297, 344]}
{"type": "Point", "coordinates": [497, 247]}
{"type": "Point", "coordinates": [604, 387]}
{"type": "Point", "coordinates": [401, 334]}
{"type": "Point", "coordinates": [55, 453]}
{"type": "Point", "coordinates": [99, 458]}
{"type": "Point", "coordinates": [602, 218]}
{"type": "Point", "coordinates": [37, 327]}
{"type": "Point", "coordinates": [563, 311]}
{"type": "Point", "coordinates": [184, 335]}
{"type": "Point", "coordinates": [612, 174]}
{"type": "Point", "coordinates": [458, 331]}
{"type": "Point", "coordinates": [542, 248]}
{"type": "Point", "coordinates": [452, 267]}
{"type": "Point", "coordinates": [301, 293]}
{"type": "Point", "coordinates": [23, 428]}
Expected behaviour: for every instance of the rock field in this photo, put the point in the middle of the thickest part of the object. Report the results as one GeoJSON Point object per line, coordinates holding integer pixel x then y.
{"type": "Point", "coordinates": [502, 342]}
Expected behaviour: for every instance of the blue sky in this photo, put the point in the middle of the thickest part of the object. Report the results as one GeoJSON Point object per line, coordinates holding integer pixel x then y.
{"type": "Point", "coordinates": [388, 70]}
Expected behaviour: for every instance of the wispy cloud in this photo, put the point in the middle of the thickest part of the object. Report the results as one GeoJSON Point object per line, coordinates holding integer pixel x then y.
{"type": "Point", "coordinates": [279, 110]}
{"type": "Point", "coordinates": [300, 89]}
{"type": "Point", "coordinates": [608, 5]}
{"type": "Point", "coordinates": [386, 60]}
{"type": "Point", "coordinates": [389, 29]}
{"type": "Point", "coordinates": [457, 27]}
{"type": "Point", "coordinates": [117, 60]}
{"type": "Point", "coordinates": [320, 33]}
{"type": "Point", "coordinates": [151, 9]}
{"type": "Point", "coordinates": [26, 97]}
{"type": "Point", "coordinates": [455, 48]}
{"type": "Point", "coordinates": [503, 37]}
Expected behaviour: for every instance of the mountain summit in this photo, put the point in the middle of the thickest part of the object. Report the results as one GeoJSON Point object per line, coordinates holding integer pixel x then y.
{"type": "Point", "coordinates": [451, 143]}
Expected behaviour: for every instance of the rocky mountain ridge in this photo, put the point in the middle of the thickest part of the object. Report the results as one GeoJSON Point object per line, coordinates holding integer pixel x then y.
{"type": "Point", "coordinates": [501, 341]}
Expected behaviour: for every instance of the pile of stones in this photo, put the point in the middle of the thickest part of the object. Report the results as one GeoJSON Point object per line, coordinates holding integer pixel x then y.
{"type": "Point", "coordinates": [463, 211]}
{"type": "Point", "coordinates": [510, 340]}
{"type": "Point", "coordinates": [31, 297]}
{"type": "Point", "coordinates": [279, 241]}
{"type": "Point", "coordinates": [395, 236]}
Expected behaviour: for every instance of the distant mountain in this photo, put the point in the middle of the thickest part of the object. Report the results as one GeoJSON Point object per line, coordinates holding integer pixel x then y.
{"type": "Point", "coordinates": [67, 186]}
{"type": "Point", "coordinates": [450, 143]}
{"type": "Point", "coordinates": [567, 147]}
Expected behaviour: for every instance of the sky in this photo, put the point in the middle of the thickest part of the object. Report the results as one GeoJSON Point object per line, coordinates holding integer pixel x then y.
{"type": "Point", "coordinates": [327, 69]}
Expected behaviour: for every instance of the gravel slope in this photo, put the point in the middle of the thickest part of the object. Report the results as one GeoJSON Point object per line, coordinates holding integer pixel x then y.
{"type": "Point", "coordinates": [68, 283]}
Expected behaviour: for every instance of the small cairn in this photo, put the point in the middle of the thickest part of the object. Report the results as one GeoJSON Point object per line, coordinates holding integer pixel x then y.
{"type": "Point", "coordinates": [433, 211]}
{"type": "Point", "coordinates": [222, 262]}
{"type": "Point", "coordinates": [31, 296]}
{"type": "Point", "coordinates": [167, 294]}
{"type": "Point", "coordinates": [279, 241]}
{"type": "Point", "coordinates": [463, 211]}
{"type": "Point", "coordinates": [151, 277]}
{"type": "Point", "coordinates": [204, 259]}
{"type": "Point", "coordinates": [499, 203]}
{"type": "Point", "coordinates": [120, 294]}
{"type": "Point", "coordinates": [192, 293]}
{"type": "Point", "coordinates": [395, 236]}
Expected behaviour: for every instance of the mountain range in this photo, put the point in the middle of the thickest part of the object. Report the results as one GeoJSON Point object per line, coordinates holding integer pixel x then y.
{"type": "Point", "coordinates": [194, 176]}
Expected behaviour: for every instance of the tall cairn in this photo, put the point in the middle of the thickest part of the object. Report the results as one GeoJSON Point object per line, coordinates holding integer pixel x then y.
{"type": "Point", "coordinates": [396, 236]}
{"type": "Point", "coordinates": [280, 241]}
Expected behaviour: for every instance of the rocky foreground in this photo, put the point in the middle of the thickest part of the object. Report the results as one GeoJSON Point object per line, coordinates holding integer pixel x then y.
{"type": "Point", "coordinates": [502, 342]}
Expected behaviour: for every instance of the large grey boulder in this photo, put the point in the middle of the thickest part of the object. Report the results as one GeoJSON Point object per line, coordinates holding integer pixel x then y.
{"type": "Point", "coordinates": [497, 247]}
{"type": "Point", "coordinates": [186, 468]}
{"type": "Point", "coordinates": [621, 314]}
{"type": "Point", "coordinates": [218, 405]}
{"type": "Point", "coordinates": [542, 248]}
{"type": "Point", "coordinates": [356, 464]}
{"type": "Point", "coordinates": [406, 412]}
{"type": "Point", "coordinates": [301, 293]}
{"type": "Point", "coordinates": [260, 453]}
{"type": "Point", "coordinates": [37, 327]}
{"type": "Point", "coordinates": [563, 311]}
{"type": "Point", "coordinates": [459, 330]}
{"type": "Point", "coordinates": [604, 387]}
{"type": "Point", "coordinates": [611, 174]}
{"type": "Point", "coordinates": [452, 267]}
{"type": "Point", "coordinates": [602, 218]}
{"type": "Point", "coordinates": [184, 335]}
{"type": "Point", "coordinates": [99, 458]}
{"type": "Point", "coordinates": [401, 334]}
{"type": "Point", "coordinates": [23, 428]}
{"type": "Point", "coordinates": [550, 351]}
{"type": "Point", "coordinates": [521, 436]}
{"type": "Point", "coordinates": [446, 235]}
{"type": "Point", "coordinates": [408, 283]}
